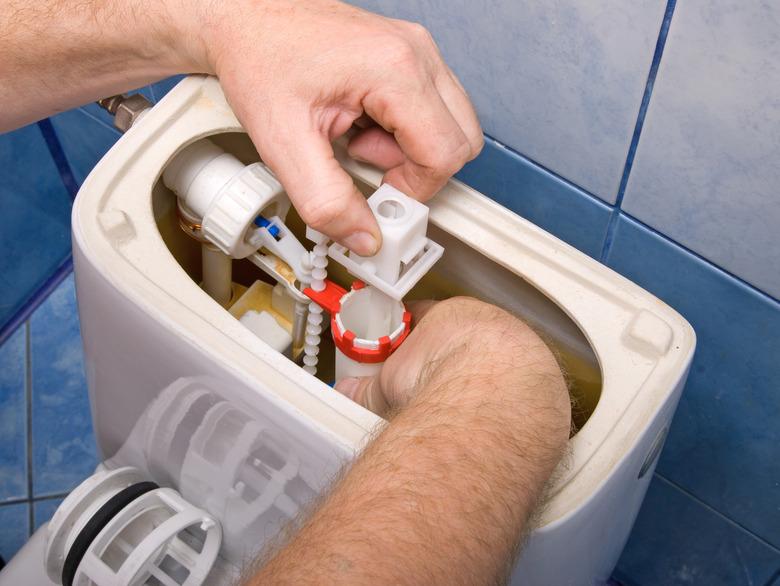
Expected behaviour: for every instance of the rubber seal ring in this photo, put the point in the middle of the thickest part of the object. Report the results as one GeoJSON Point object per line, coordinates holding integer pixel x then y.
{"type": "Point", "coordinates": [97, 523]}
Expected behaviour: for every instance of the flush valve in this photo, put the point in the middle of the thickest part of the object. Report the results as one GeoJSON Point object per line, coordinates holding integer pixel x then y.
{"type": "Point", "coordinates": [370, 321]}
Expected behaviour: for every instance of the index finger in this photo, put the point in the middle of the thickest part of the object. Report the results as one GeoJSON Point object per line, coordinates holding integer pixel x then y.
{"type": "Point", "coordinates": [434, 143]}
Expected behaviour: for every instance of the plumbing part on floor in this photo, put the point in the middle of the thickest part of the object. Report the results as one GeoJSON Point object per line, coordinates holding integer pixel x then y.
{"type": "Point", "coordinates": [117, 528]}
{"type": "Point", "coordinates": [205, 304]}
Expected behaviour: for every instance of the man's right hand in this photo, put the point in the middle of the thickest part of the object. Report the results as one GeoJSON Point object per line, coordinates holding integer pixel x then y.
{"type": "Point", "coordinates": [300, 74]}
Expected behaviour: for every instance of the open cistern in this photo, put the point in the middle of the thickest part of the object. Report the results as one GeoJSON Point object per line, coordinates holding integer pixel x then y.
{"type": "Point", "coordinates": [212, 334]}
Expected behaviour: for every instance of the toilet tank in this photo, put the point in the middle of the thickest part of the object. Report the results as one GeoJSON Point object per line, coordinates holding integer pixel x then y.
{"type": "Point", "coordinates": [148, 327]}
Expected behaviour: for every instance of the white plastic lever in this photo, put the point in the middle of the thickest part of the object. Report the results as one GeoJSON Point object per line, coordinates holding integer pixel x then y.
{"type": "Point", "coordinates": [283, 244]}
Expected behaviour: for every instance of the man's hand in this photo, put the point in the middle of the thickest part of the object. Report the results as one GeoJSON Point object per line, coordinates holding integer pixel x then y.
{"type": "Point", "coordinates": [443, 495]}
{"type": "Point", "coordinates": [297, 73]}
{"type": "Point", "coordinates": [449, 338]}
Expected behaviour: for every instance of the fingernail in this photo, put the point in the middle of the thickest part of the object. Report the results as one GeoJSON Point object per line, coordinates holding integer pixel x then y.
{"type": "Point", "coordinates": [348, 387]}
{"type": "Point", "coordinates": [362, 243]}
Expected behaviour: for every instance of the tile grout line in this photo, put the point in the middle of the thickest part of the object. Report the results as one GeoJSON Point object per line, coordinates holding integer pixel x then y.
{"type": "Point", "coordinates": [28, 413]}
{"type": "Point", "coordinates": [640, 121]}
{"type": "Point", "coordinates": [716, 512]}
{"type": "Point", "coordinates": [104, 124]}
{"type": "Point", "coordinates": [35, 499]}
{"type": "Point", "coordinates": [598, 201]}
{"type": "Point", "coordinates": [34, 301]}
{"type": "Point", "coordinates": [58, 156]}
{"type": "Point", "coordinates": [698, 256]}
{"type": "Point", "coordinates": [537, 164]}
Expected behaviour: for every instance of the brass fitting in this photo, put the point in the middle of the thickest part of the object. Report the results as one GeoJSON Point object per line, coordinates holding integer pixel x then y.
{"type": "Point", "coordinates": [126, 109]}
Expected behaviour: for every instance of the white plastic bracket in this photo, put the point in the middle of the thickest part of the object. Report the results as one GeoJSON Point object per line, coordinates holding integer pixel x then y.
{"type": "Point", "coordinates": [283, 245]}
{"type": "Point", "coordinates": [407, 254]}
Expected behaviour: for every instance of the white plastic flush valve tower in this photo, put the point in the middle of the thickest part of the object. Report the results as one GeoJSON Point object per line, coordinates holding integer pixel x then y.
{"type": "Point", "coordinates": [370, 321]}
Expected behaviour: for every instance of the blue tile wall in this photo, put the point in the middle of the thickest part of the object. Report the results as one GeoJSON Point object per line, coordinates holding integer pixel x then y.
{"type": "Point", "coordinates": [706, 171]}
{"type": "Point", "coordinates": [560, 81]}
{"type": "Point", "coordinates": [44, 509]}
{"type": "Point", "coordinates": [14, 521]}
{"type": "Point", "coordinates": [723, 445]}
{"type": "Point", "coordinates": [42, 374]}
{"type": "Point", "coordinates": [34, 218]}
{"type": "Point", "coordinates": [64, 451]}
{"type": "Point", "coordinates": [85, 138]}
{"type": "Point", "coordinates": [661, 551]}
{"type": "Point", "coordinates": [554, 90]}
{"type": "Point", "coordinates": [161, 88]}
{"type": "Point", "coordinates": [539, 196]}
{"type": "Point", "coordinates": [13, 417]}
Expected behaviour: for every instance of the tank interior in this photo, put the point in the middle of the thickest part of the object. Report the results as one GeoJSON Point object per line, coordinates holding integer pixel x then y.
{"type": "Point", "coordinates": [461, 271]}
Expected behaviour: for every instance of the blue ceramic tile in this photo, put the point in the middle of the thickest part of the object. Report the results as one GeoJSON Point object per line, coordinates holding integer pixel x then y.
{"type": "Point", "coordinates": [84, 140]}
{"type": "Point", "coordinates": [560, 82]}
{"type": "Point", "coordinates": [14, 528]}
{"type": "Point", "coordinates": [539, 196]}
{"type": "Point", "coordinates": [34, 218]}
{"type": "Point", "coordinates": [678, 541]}
{"type": "Point", "coordinates": [64, 450]}
{"type": "Point", "coordinates": [161, 88]}
{"type": "Point", "coordinates": [43, 510]}
{"type": "Point", "coordinates": [723, 444]}
{"type": "Point", "coordinates": [13, 418]}
{"type": "Point", "coordinates": [706, 171]}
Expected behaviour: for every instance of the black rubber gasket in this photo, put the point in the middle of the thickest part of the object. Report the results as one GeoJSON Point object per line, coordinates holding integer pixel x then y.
{"type": "Point", "coordinates": [95, 525]}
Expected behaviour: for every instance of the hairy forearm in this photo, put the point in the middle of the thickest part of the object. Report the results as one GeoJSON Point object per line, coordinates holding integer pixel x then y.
{"type": "Point", "coordinates": [444, 494]}
{"type": "Point", "coordinates": [57, 54]}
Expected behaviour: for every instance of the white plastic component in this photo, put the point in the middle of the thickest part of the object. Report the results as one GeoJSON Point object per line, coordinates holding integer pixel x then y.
{"type": "Point", "coordinates": [370, 315]}
{"type": "Point", "coordinates": [282, 302]}
{"type": "Point", "coordinates": [217, 273]}
{"type": "Point", "coordinates": [236, 467]}
{"type": "Point", "coordinates": [356, 315]}
{"type": "Point", "coordinates": [158, 535]}
{"type": "Point", "coordinates": [406, 253]}
{"type": "Point", "coordinates": [348, 368]}
{"type": "Point", "coordinates": [319, 263]}
{"type": "Point", "coordinates": [177, 411]}
{"type": "Point", "coordinates": [226, 194]}
{"type": "Point", "coordinates": [270, 264]}
{"type": "Point", "coordinates": [265, 327]}
{"type": "Point", "coordinates": [224, 458]}
{"type": "Point", "coordinates": [284, 245]}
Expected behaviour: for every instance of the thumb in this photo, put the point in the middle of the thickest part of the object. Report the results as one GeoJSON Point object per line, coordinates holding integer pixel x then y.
{"type": "Point", "coordinates": [365, 391]}
{"type": "Point", "coordinates": [323, 193]}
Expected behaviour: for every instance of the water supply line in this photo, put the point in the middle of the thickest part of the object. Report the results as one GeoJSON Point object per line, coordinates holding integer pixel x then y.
{"type": "Point", "coordinates": [217, 274]}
